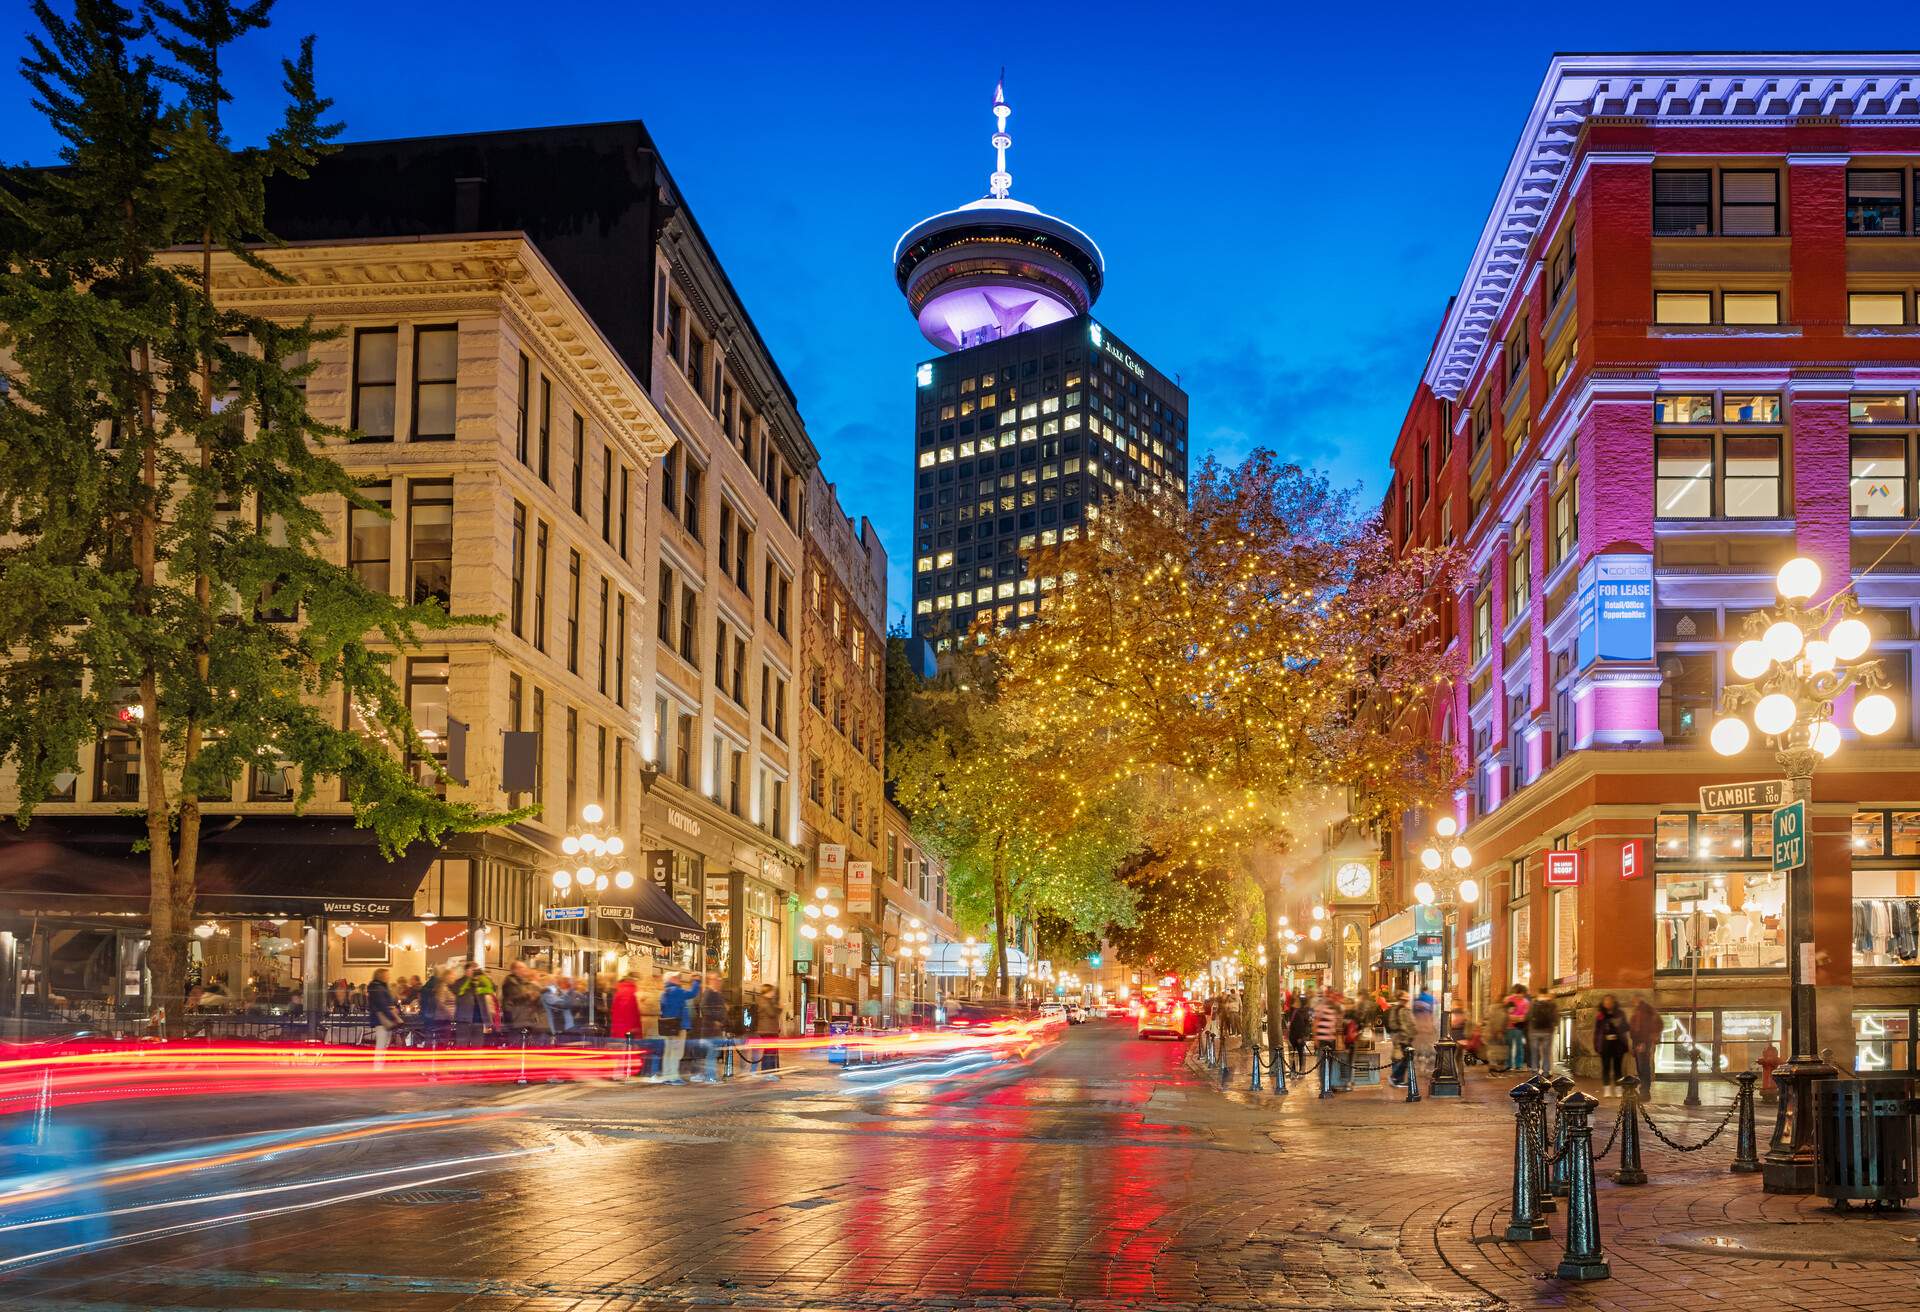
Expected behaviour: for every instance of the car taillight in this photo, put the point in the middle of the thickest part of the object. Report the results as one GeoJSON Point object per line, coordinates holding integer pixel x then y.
{"type": "Point", "coordinates": [1179, 1014]}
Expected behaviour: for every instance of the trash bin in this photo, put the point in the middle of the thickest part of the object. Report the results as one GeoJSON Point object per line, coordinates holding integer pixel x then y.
{"type": "Point", "coordinates": [1866, 1136]}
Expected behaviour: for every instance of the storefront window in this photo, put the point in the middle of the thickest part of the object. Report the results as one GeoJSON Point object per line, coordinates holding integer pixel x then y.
{"type": "Point", "coordinates": [1735, 920]}
{"type": "Point", "coordinates": [1566, 932]}
{"type": "Point", "coordinates": [1725, 1041]}
{"type": "Point", "coordinates": [1886, 917]}
{"type": "Point", "coordinates": [1520, 943]}
{"type": "Point", "coordinates": [1883, 1041]}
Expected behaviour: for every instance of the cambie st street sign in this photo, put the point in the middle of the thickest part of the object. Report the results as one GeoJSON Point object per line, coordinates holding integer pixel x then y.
{"type": "Point", "coordinates": [1755, 795]}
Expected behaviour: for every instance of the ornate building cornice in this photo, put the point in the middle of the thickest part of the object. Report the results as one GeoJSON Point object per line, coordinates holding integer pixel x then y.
{"type": "Point", "coordinates": [1740, 89]}
{"type": "Point", "coordinates": [405, 278]}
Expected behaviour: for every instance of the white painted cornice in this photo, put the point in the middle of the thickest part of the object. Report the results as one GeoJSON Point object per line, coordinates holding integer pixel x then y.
{"type": "Point", "coordinates": [1748, 89]}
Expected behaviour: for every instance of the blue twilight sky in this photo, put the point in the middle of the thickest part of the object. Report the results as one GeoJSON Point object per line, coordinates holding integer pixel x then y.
{"type": "Point", "coordinates": [1286, 197]}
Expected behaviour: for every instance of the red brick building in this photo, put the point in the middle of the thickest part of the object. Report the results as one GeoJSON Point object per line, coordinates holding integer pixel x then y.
{"type": "Point", "coordinates": [1685, 350]}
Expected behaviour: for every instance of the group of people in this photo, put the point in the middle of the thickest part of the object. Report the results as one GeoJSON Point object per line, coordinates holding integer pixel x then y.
{"type": "Point", "coordinates": [1519, 1033]}
{"type": "Point", "coordinates": [662, 1018]}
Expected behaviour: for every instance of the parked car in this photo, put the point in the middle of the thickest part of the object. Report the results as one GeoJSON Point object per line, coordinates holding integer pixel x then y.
{"type": "Point", "coordinates": [1162, 1021]}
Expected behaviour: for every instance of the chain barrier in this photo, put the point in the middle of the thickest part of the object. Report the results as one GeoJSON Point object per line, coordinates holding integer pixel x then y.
{"type": "Point", "coordinates": [1660, 1134]}
{"type": "Point", "coordinates": [1612, 1139]}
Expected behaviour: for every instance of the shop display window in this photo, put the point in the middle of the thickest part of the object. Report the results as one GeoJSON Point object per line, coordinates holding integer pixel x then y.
{"type": "Point", "coordinates": [1883, 1041]}
{"type": "Point", "coordinates": [1886, 917]}
{"type": "Point", "coordinates": [1726, 1041]}
{"type": "Point", "coordinates": [1735, 920]}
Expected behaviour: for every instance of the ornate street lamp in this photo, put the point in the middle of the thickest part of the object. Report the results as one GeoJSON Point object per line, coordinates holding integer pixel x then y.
{"type": "Point", "coordinates": [599, 850]}
{"type": "Point", "coordinates": [1454, 887]}
{"type": "Point", "coordinates": [1798, 660]}
{"type": "Point", "coordinates": [822, 915]}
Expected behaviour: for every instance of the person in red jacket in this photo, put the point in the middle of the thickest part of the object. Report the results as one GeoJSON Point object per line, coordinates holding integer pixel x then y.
{"type": "Point", "coordinates": [623, 1017]}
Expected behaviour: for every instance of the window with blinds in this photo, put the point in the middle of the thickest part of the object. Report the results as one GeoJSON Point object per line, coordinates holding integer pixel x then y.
{"type": "Point", "coordinates": [1682, 202]}
{"type": "Point", "coordinates": [1876, 201]}
{"type": "Point", "coordinates": [1749, 202]}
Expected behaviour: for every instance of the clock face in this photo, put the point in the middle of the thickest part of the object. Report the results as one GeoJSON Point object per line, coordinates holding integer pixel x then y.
{"type": "Point", "coordinates": [1353, 879]}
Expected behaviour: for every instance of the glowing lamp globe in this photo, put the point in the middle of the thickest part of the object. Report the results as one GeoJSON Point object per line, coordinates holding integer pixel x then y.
{"type": "Point", "coordinates": [623, 879]}
{"type": "Point", "coordinates": [1825, 738]}
{"type": "Point", "coordinates": [1446, 826]}
{"type": "Point", "coordinates": [834, 931]}
{"type": "Point", "coordinates": [1431, 858]}
{"type": "Point", "coordinates": [1775, 713]}
{"type": "Point", "coordinates": [1799, 578]}
{"type": "Point", "coordinates": [811, 910]}
{"type": "Point", "coordinates": [561, 878]}
{"type": "Point", "coordinates": [1874, 713]}
{"type": "Point", "coordinates": [1423, 893]}
{"type": "Point", "coordinates": [1819, 656]}
{"type": "Point", "coordinates": [1283, 922]}
{"type": "Point", "coordinates": [1319, 913]}
{"type": "Point", "coordinates": [1750, 659]}
{"type": "Point", "coordinates": [1293, 949]}
{"type": "Point", "coordinates": [570, 845]}
{"type": "Point", "coordinates": [822, 893]}
{"type": "Point", "coordinates": [584, 874]}
{"type": "Point", "coordinates": [1730, 736]}
{"type": "Point", "coordinates": [1462, 858]}
{"type": "Point", "coordinates": [808, 931]}
{"type": "Point", "coordinates": [831, 910]}
{"type": "Point", "coordinates": [600, 884]}
{"type": "Point", "coordinates": [1782, 640]}
{"type": "Point", "coordinates": [592, 813]}
{"type": "Point", "coordinates": [615, 845]}
{"type": "Point", "coordinates": [1469, 890]}
{"type": "Point", "coordinates": [1850, 639]}
{"type": "Point", "coordinates": [206, 931]}
{"type": "Point", "coordinates": [344, 931]}
{"type": "Point", "coordinates": [1314, 933]}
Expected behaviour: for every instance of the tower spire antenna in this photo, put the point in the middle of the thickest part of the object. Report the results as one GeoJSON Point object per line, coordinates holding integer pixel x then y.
{"type": "Point", "coordinates": [1001, 182]}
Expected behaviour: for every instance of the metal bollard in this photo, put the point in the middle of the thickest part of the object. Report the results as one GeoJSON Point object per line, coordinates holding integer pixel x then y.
{"type": "Point", "coordinates": [1560, 1086]}
{"type": "Point", "coordinates": [1279, 1068]}
{"type": "Point", "coordinates": [1543, 1199]}
{"type": "Point", "coordinates": [1253, 1081]}
{"type": "Point", "coordinates": [1413, 1078]}
{"type": "Point", "coordinates": [1225, 1067]}
{"type": "Point", "coordinates": [1524, 1222]}
{"type": "Point", "coordinates": [523, 1058]}
{"type": "Point", "coordinates": [1746, 1156]}
{"type": "Point", "coordinates": [1629, 1172]}
{"type": "Point", "coordinates": [1326, 1071]}
{"type": "Point", "coordinates": [1582, 1259]}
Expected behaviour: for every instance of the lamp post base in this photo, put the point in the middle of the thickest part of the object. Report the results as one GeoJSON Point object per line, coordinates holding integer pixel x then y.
{"type": "Point", "coordinates": [1446, 1070]}
{"type": "Point", "coordinates": [1793, 1158]}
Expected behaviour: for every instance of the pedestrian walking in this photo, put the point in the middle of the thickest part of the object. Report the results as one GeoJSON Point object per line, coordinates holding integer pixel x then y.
{"type": "Point", "coordinates": [1612, 1037]}
{"type": "Point", "coordinates": [383, 1014]}
{"type": "Point", "coordinates": [1426, 1030]}
{"type": "Point", "coordinates": [767, 1018]}
{"type": "Point", "coordinates": [520, 999]}
{"type": "Point", "coordinates": [436, 1007]}
{"type": "Point", "coordinates": [1518, 1003]}
{"type": "Point", "coordinates": [1543, 1028]}
{"type": "Point", "coordinates": [676, 1016]}
{"type": "Point", "coordinates": [473, 999]}
{"type": "Point", "coordinates": [1643, 1029]}
{"type": "Point", "coordinates": [623, 1013]}
{"type": "Point", "coordinates": [710, 1026]}
{"type": "Point", "coordinates": [1400, 1034]}
{"type": "Point", "coordinates": [1328, 1024]}
{"type": "Point", "coordinates": [1299, 1030]}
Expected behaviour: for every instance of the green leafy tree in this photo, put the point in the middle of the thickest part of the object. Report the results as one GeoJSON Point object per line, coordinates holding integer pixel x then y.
{"type": "Point", "coordinates": [159, 471]}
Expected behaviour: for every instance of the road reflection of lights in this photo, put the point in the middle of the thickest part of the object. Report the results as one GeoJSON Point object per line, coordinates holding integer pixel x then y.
{"type": "Point", "coordinates": [875, 1079]}
{"type": "Point", "coordinates": [235, 1195]}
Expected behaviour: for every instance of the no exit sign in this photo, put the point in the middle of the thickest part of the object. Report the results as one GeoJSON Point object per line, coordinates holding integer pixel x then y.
{"type": "Point", "coordinates": [1563, 869]}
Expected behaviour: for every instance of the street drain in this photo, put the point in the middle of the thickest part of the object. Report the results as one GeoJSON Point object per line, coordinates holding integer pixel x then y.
{"type": "Point", "coordinates": [431, 1196]}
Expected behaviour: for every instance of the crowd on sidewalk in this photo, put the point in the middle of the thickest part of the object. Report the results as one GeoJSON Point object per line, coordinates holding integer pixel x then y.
{"type": "Point", "coordinates": [684, 1024]}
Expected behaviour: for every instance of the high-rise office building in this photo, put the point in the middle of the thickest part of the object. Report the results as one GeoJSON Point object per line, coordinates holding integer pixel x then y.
{"type": "Point", "coordinates": [1034, 412]}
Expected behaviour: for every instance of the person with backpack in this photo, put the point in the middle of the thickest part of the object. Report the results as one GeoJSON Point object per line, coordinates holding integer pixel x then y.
{"type": "Point", "coordinates": [676, 1014]}
{"type": "Point", "coordinates": [1400, 1033]}
{"type": "Point", "coordinates": [473, 1004]}
{"type": "Point", "coordinates": [1517, 1003]}
{"type": "Point", "coordinates": [1543, 1025]}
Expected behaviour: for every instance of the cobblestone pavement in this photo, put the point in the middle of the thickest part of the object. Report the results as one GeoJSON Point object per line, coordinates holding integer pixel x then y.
{"type": "Point", "coordinates": [1102, 1175]}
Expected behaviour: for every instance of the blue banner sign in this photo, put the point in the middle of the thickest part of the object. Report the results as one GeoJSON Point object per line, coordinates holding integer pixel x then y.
{"type": "Point", "coordinates": [1615, 609]}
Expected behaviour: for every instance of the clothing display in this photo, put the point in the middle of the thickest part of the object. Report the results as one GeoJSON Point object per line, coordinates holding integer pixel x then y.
{"type": "Point", "coordinates": [1886, 931]}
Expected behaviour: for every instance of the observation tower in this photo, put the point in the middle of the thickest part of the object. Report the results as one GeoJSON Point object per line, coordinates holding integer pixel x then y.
{"type": "Point", "coordinates": [995, 266]}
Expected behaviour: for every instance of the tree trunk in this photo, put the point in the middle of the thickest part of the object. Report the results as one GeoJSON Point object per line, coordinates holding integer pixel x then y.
{"type": "Point", "coordinates": [1000, 974]}
{"type": "Point", "coordinates": [1276, 1034]}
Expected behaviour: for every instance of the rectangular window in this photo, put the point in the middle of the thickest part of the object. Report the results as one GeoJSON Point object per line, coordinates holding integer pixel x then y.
{"type": "Point", "coordinates": [676, 328]}
{"type": "Point", "coordinates": [517, 610]}
{"type": "Point", "coordinates": [1876, 201]}
{"type": "Point", "coordinates": [1682, 202]}
{"type": "Point", "coordinates": [522, 399]}
{"type": "Point", "coordinates": [600, 764]}
{"type": "Point", "coordinates": [573, 762]}
{"type": "Point", "coordinates": [1749, 202]}
{"type": "Point", "coordinates": [1752, 481]}
{"type": "Point", "coordinates": [116, 767]}
{"type": "Point", "coordinates": [1566, 933]}
{"type": "Point", "coordinates": [516, 711]}
{"type": "Point", "coordinates": [1682, 307]}
{"type": "Point", "coordinates": [1879, 482]}
{"type": "Point", "coordinates": [604, 617]}
{"type": "Point", "coordinates": [1686, 695]}
{"type": "Point", "coordinates": [739, 683]}
{"type": "Point", "coordinates": [683, 744]}
{"type": "Point", "coordinates": [427, 703]}
{"type": "Point", "coordinates": [670, 481]}
{"type": "Point", "coordinates": [436, 353]}
{"type": "Point", "coordinates": [1482, 627]}
{"type": "Point", "coordinates": [1520, 940]}
{"type": "Point", "coordinates": [370, 538]}
{"type": "Point", "coordinates": [626, 499]}
{"type": "Point", "coordinates": [1731, 918]}
{"type": "Point", "coordinates": [1683, 476]}
{"type": "Point", "coordinates": [540, 587]}
{"type": "Point", "coordinates": [694, 477]}
{"type": "Point", "coordinates": [663, 626]}
{"type": "Point", "coordinates": [579, 466]}
{"type": "Point", "coordinates": [546, 430]}
{"type": "Point", "coordinates": [606, 494]}
{"type": "Point", "coordinates": [689, 626]}
{"type": "Point", "coordinates": [1876, 309]}
{"type": "Point", "coordinates": [539, 745]}
{"type": "Point", "coordinates": [573, 612]}
{"type": "Point", "coordinates": [430, 541]}
{"type": "Point", "coordinates": [376, 359]}
{"type": "Point", "coordinates": [1519, 575]}
{"type": "Point", "coordinates": [720, 653]}
{"type": "Point", "coordinates": [1750, 307]}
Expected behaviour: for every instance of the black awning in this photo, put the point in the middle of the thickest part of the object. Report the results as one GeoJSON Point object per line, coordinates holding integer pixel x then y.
{"type": "Point", "coordinates": [657, 917]}
{"type": "Point", "coordinates": [249, 866]}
